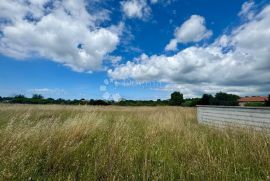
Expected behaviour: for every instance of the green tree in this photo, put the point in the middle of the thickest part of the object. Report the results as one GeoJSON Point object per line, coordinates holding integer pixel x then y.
{"type": "Point", "coordinates": [176, 99]}
{"type": "Point", "coordinates": [37, 99]}
{"type": "Point", "coordinates": [21, 99]}
{"type": "Point", "coordinates": [206, 99]}
{"type": "Point", "coordinates": [225, 99]}
{"type": "Point", "coordinates": [37, 96]}
{"type": "Point", "coordinates": [268, 101]}
{"type": "Point", "coordinates": [191, 102]}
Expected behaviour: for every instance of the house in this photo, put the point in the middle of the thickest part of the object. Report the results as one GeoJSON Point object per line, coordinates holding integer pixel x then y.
{"type": "Point", "coordinates": [254, 99]}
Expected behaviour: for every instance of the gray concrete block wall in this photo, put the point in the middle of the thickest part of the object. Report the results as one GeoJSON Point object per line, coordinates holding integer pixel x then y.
{"type": "Point", "coordinates": [225, 116]}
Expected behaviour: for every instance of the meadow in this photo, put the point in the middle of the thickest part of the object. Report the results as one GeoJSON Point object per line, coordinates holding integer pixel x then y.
{"type": "Point", "coordinates": [54, 142]}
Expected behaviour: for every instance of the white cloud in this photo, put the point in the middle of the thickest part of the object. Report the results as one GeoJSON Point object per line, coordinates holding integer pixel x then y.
{"type": "Point", "coordinates": [136, 9]}
{"type": "Point", "coordinates": [62, 31]}
{"type": "Point", "coordinates": [172, 45]}
{"type": "Point", "coordinates": [195, 90]}
{"type": "Point", "coordinates": [114, 60]}
{"type": "Point", "coordinates": [235, 62]}
{"type": "Point", "coordinates": [246, 10]}
{"type": "Point", "coordinates": [192, 30]}
{"type": "Point", "coordinates": [48, 92]}
{"type": "Point", "coordinates": [154, 1]}
{"type": "Point", "coordinates": [164, 2]}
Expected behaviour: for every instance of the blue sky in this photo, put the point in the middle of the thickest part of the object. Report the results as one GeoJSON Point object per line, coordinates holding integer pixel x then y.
{"type": "Point", "coordinates": [134, 49]}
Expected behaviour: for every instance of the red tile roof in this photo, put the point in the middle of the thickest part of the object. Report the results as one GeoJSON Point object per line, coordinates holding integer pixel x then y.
{"type": "Point", "coordinates": [253, 99]}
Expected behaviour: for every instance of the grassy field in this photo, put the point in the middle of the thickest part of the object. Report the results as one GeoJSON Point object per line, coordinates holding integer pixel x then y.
{"type": "Point", "coordinates": [124, 143]}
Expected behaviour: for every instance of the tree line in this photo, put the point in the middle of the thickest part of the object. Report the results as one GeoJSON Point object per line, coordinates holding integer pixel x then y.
{"type": "Point", "coordinates": [176, 99]}
{"type": "Point", "coordinates": [39, 99]}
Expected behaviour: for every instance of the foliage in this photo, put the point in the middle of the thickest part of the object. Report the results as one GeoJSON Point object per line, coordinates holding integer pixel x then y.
{"type": "Point", "coordinates": [225, 99]}
{"type": "Point", "coordinates": [191, 102]}
{"type": "Point", "coordinates": [39, 99]}
{"type": "Point", "coordinates": [19, 99]}
{"type": "Point", "coordinates": [142, 103]}
{"type": "Point", "coordinates": [37, 96]}
{"type": "Point", "coordinates": [268, 101]}
{"type": "Point", "coordinates": [55, 142]}
{"type": "Point", "coordinates": [206, 99]}
{"type": "Point", "coordinates": [254, 104]}
{"type": "Point", "coordinates": [176, 99]}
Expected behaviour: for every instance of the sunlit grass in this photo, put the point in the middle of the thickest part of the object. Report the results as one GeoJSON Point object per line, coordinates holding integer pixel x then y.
{"type": "Point", "coordinates": [124, 143]}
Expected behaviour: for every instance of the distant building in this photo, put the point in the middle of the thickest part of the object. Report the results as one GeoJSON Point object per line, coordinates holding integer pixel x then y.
{"type": "Point", "coordinates": [254, 99]}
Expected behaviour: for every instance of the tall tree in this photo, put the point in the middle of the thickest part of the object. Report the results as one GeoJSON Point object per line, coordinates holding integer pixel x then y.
{"type": "Point", "coordinates": [177, 98]}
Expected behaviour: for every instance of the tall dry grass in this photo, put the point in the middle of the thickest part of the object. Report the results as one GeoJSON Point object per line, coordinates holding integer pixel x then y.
{"type": "Point", "coordinates": [124, 143]}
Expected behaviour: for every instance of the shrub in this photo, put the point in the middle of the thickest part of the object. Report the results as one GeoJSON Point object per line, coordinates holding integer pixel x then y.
{"type": "Point", "coordinates": [255, 104]}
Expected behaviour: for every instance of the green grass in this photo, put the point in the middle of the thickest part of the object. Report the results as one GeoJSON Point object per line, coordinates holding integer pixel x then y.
{"type": "Point", "coordinates": [124, 143]}
{"type": "Point", "coordinates": [255, 104]}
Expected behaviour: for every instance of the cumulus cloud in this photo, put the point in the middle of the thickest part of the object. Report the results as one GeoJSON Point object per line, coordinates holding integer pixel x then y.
{"type": "Point", "coordinates": [61, 31]}
{"type": "Point", "coordinates": [192, 30]}
{"type": "Point", "coordinates": [237, 61]}
{"type": "Point", "coordinates": [136, 9]}
{"type": "Point", "coordinates": [140, 9]}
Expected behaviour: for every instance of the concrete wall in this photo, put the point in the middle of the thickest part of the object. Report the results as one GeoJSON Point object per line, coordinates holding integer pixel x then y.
{"type": "Point", "coordinates": [247, 117]}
